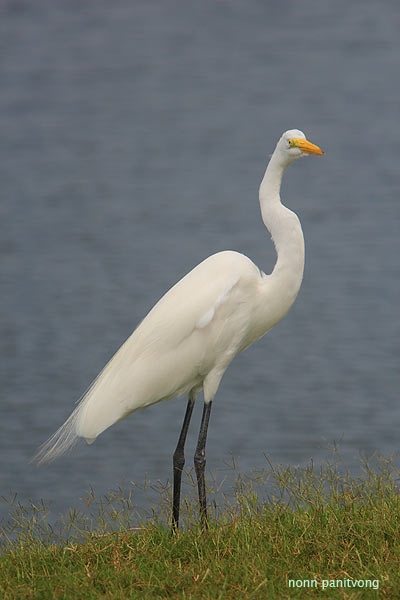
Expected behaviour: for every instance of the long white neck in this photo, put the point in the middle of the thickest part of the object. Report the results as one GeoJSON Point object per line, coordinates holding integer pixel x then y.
{"type": "Point", "coordinates": [286, 233]}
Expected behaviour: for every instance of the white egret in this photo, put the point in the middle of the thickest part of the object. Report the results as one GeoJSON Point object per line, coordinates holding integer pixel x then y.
{"type": "Point", "coordinates": [188, 339]}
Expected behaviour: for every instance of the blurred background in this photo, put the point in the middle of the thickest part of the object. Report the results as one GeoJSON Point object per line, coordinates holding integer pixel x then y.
{"type": "Point", "coordinates": [134, 136]}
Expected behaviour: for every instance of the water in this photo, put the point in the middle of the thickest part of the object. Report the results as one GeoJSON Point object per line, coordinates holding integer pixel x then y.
{"type": "Point", "coordinates": [133, 141]}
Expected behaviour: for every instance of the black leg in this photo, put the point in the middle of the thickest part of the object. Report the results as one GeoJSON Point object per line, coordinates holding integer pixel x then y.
{"type": "Point", "coordinates": [179, 461]}
{"type": "Point", "coordinates": [200, 463]}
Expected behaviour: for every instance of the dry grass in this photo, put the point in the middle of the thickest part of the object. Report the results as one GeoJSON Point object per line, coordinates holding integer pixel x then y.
{"type": "Point", "coordinates": [285, 533]}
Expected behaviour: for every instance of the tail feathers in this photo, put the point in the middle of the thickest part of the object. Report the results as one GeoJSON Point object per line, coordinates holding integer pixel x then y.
{"type": "Point", "coordinates": [60, 442]}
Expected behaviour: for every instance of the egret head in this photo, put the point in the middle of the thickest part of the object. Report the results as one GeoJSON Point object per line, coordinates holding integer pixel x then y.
{"type": "Point", "coordinates": [293, 144]}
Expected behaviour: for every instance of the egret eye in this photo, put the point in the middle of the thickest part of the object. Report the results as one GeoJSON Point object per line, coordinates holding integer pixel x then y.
{"type": "Point", "coordinates": [291, 143]}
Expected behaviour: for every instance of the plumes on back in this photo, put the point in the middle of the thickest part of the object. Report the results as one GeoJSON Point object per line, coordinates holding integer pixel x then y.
{"type": "Point", "coordinates": [182, 345]}
{"type": "Point", "coordinates": [60, 442]}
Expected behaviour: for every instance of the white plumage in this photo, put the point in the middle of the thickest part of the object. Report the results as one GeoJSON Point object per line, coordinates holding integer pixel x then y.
{"type": "Point", "coordinates": [188, 339]}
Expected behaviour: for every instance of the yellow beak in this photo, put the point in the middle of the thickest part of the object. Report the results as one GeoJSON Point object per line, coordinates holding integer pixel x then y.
{"type": "Point", "coordinates": [306, 146]}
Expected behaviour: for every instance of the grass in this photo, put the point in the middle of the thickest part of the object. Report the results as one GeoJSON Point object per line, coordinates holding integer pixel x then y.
{"type": "Point", "coordinates": [284, 533]}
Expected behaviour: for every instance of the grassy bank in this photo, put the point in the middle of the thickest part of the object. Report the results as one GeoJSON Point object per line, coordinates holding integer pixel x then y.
{"type": "Point", "coordinates": [286, 533]}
